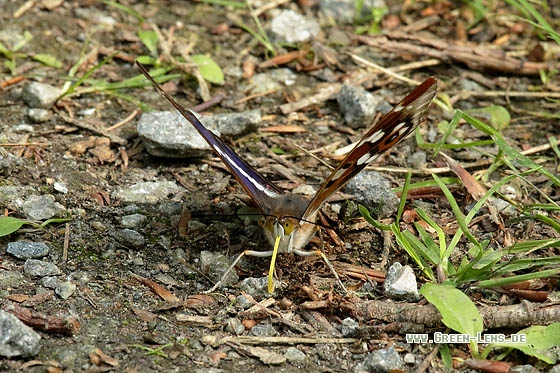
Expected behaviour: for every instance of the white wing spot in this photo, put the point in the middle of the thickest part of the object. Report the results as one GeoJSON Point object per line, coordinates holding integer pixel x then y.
{"type": "Point", "coordinates": [375, 137]}
{"type": "Point", "coordinates": [398, 108]}
{"type": "Point", "coordinates": [364, 159]}
{"type": "Point", "coordinates": [398, 127]}
{"type": "Point", "coordinates": [338, 174]}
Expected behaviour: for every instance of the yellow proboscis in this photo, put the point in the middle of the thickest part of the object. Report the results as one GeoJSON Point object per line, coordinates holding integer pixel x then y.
{"type": "Point", "coordinates": [272, 263]}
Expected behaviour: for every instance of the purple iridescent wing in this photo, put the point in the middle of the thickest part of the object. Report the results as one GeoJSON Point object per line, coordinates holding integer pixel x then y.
{"type": "Point", "coordinates": [257, 187]}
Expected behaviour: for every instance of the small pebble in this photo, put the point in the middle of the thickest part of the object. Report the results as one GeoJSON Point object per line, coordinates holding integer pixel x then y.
{"type": "Point", "coordinates": [39, 268]}
{"type": "Point", "coordinates": [38, 115]}
{"type": "Point", "coordinates": [28, 250]}
{"type": "Point", "coordinates": [295, 355]}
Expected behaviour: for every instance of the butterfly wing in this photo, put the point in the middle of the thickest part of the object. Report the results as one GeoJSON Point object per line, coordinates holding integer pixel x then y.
{"type": "Point", "coordinates": [257, 187]}
{"type": "Point", "coordinates": [392, 128]}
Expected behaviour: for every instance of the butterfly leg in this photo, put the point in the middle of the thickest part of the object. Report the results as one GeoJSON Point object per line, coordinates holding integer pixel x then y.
{"type": "Point", "coordinates": [327, 262]}
{"type": "Point", "coordinates": [261, 254]}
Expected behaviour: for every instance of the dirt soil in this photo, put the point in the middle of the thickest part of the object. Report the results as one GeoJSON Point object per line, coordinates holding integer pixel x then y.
{"type": "Point", "coordinates": [119, 306]}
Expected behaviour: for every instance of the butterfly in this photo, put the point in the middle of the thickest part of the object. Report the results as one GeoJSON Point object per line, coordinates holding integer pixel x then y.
{"type": "Point", "coordinates": [289, 219]}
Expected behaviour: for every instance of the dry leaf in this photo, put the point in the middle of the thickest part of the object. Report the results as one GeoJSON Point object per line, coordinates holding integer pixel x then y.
{"type": "Point", "coordinates": [158, 289]}
{"type": "Point", "coordinates": [80, 147]}
{"type": "Point", "coordinates": [18, 297]}
{"type": "Point", "coordinates": [473, 187]}
{"type": "Point", "coordinates": [98, 357]}
{"type": "Point", "coordinates": [144, 315]}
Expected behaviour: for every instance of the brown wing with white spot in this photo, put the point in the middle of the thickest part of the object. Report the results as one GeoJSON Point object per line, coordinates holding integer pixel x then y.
{"type": "Point", "coordinates": [392, 128]}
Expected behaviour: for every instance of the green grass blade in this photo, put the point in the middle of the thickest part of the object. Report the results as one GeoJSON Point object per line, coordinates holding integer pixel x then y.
{"type": "Point", "coordinates": [404, 193]}
{"type": "Point", "coordinates": [126, 9]}
{"type": "Point", "coordinates": [518, 278]}
{"type": "Point", "coordinates": [73, 87]}
{"type": "Point", "coordinates": [233, 4]}
{"type": "Point", "coordinates": [508, 149]}
{"type": "Point", "coordinates": [452, 125]}
{"type": "Point", "coordinates": [439, 231]}
{"type": "Point", "coordinates": [457, 212]}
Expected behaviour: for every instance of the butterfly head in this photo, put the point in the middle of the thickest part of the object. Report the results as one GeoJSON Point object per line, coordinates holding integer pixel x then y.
{"type": "Point", "coordinates": [289, 229]}
{"type": "Point", "coordinates": [288, 225]}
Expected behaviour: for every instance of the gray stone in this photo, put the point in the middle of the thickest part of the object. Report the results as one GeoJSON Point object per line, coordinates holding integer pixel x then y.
{"type": "Point", "coordinates": [148, 192]}
{"type": "Point", "coordinates": [87, 112]}
{"type": "Point", "coordinates": [133, 221]}
{"type": "Point", "coordinates": [130, 238]}
{"type": "Point", "coordinates": [16, 338]}
{"type": "Point", "coordinates": [294, 355]}
{"type": "Point", "coordinates": [527, 368]}
{"type": "Point", "coordinates": [67, 357]}
{"type": "Point", "coordinates": [215, 265]}
{"type": "Point", "coordinates": [505, 208]}
{"type": "Point", "coordinates": [234, 124]}
{"type": "Point", "coordinates": [384, 360]}
{"type": "Point", "coordinates": [292, 27]}
{"type": "Point", "coordinates": [470, 85]}
{"type": "Point", "coordinates": [258, 287]}
{"type": "Point", "coordinates": [357, 105]}
{"type": "Point", "coordinates": [38, 115]}
{"type": "Point", "coordinates": [195, 226]}
{"type": "Point", "coordinates": [60, 187]}
{"type": "Point", "coordinates": [409, 359]}
{"type": "Point", "coordinates": [130, 209]}
{"type": "Point", "coordinates": [264, 329]}
{"type": "Point", "coordinates": [96, 16]}
{"type": "Point", "coordinates": [400, 283]}
{"type": "Point", "coordinates": [9, 280]}
{"type": "Point", "coordinates": [275, 79]}
{"type": "Point", "coordinates": [43, 207]}
{"type": "Point", "coordinates": [28, 250]}
{"type": "Point", "coordinates": [168, 134]}
{"type": "Point", "coordinates": [242, 302]}
{"type": "Point", "coordinates": [65, 289]}
{"type": "Point", "coordinates": [39, 268]}
{"type": "Point", "coordinates": [304, 189]}
{"type": "Point", "coordinates": [171, 208]}
{"type": "Point", "coordinates": [9, 164]}
{"type": "Point", "coordinates": [234, 326]}
{"type": "Point", "coordinates": [349, 327]}
{"type": "Point", "coordinates": [374, 192]}
{"type": "Point", "coordinates": [344, 11]}
{"type": "Point", "coordinates": [40, 95]}
{"type": "Point", "coordinates": [417, 160]}
{"type": "Point", "coordinates": [50, 282]}
{"type": "Point", "coordinates": [24, 128]}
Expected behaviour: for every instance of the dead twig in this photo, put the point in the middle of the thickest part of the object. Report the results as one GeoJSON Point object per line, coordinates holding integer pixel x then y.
{"type": "Point", "coordinates": [124, 121]}
{"type": "Point", "coordinates": [476, 57]}
{"type": "Point", "coordinates": [100, 131]}
{"type": "Point", "coordinates": [274, 340]}
{"type": "Point", "coordinates": [215, 100]}
{"type": "Point", "coordinates": [23, 144]}
{"type": "Point", "coordinates": [333, 89]}
{"type": "Point", "coordinates": [412, 316]}
{"type": "Point", "coordinates": [255, 95]}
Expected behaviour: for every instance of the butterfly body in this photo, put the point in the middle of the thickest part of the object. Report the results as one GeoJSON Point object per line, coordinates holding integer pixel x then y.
{"type": "Point", "coordinates": [289, 220]}
{"type": "Point", "coordinates": [294, 232]}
